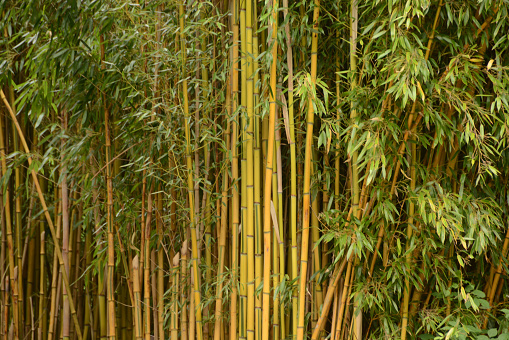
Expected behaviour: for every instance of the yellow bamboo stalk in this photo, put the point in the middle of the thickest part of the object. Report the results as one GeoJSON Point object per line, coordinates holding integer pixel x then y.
{"type": "Point", "coordinates": [293, 169]}
{"type": "Point", "coordinates": [146, 271]}
{"type": "Point", "coordinates": [331, 292]}
{"type": "Point", "coordinates": [275, 253]}
{"type": "Point", "coordinates": [110, 285]}
{"type": "Point", "coordinates": [138, 318]}
{"type": "Point", "coordinates": [250, 169]}
{"type": "Point", "coordinates": [190, 184]}
{"type": "Point", "coordinates": [153, 280]}
{"type": "Point", "coordinates": [184, 291]}
{"type": "Point", "coordinates": [18, 232]}
{"type": "Point", "coordinates": [65, 233]}
{"type": "Point", "coordinates": [257, 182]}
{"type": "Point", "coordinates": [174, 298]}
{"type": "Point", "coordinates": [280, 232]}
{"type": "Point", "coordinates": [221, 253]}
{"type": "Point", "coordinates": [409, 260]}
{"type": "Point", "coordinates": [235, 173]}
{"type": "Point", "coordinates": [307, 178]}
{"type": "Point", "coordinates": [42, 289]}
{"type": "Point", "coordinates": [268, 178]}
{"type": "Point", "coordinates": [55, 275]}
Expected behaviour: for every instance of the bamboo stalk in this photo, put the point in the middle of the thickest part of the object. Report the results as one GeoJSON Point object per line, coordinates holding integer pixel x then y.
{"type": "Point", "coordinates": [138, 319]}
{"type": "Point", "coordinates": [194, 242]}
{"type": "Point", "coordinates": [55, 275]}
{"type": "Point", "coordinates": [293, 168]}
{"type": "Point", "coordinates": [184, 291]}
{"type": "Point", "coordinates": [42, 291]}
{"type": "Point", "coordinates": [235, 173]}
{"type": "Point", "coordinates": [307, 177]}
{"type": "Point", "coordinates": [175, 298]}
{"type": "Point", "coordinates": [250, 170]}
{"type": "Point", "coordinates": [221, 251]}
{"type": "Point", "coordinates": [268, 178]}
{"type": "Point", "coordinates": [65, 232]}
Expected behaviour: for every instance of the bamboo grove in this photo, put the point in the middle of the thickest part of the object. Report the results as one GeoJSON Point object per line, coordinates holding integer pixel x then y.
{"type": "Point", "coordinates": [240, 169]}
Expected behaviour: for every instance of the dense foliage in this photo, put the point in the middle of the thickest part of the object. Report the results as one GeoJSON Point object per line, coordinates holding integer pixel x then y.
{"type": "Point", "coordinates": [250, 170]}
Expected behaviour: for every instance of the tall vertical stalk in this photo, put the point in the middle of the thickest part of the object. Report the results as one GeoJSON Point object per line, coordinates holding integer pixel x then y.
{"type": "Point", "coordinates": [307, 178]}
{"type": "Point", "coordinates": [268, 177]}
{"type": "Point", "coordinates": [190, 184]}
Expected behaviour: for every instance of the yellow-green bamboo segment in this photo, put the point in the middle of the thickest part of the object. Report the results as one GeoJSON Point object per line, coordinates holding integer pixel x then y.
{"type": "Point", "coordinates": [244, 263]}
{"type": "Point", "coordinates": [279, 235]}
{"type": "Point", "coordinates": [138, 318]}
{"type": "Point", "coordinates": [307, 179]}
{"type": "Point", "coordinates": [275, 253]}
{"type": "Point", "coordinates": [65, 235]}
{"type": "Point", "coordinates": [293, 169]}
{"type": "Point", "coordinates": [190, 185]}
{"type": "Point", "coordinates": [268, 178]}
{"type": "Point", "coordinates": [249, 133]}
{"type": "Point", "coordinates": [235, 203]}
{"type": "Point", "coordinates": [357, 313]}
